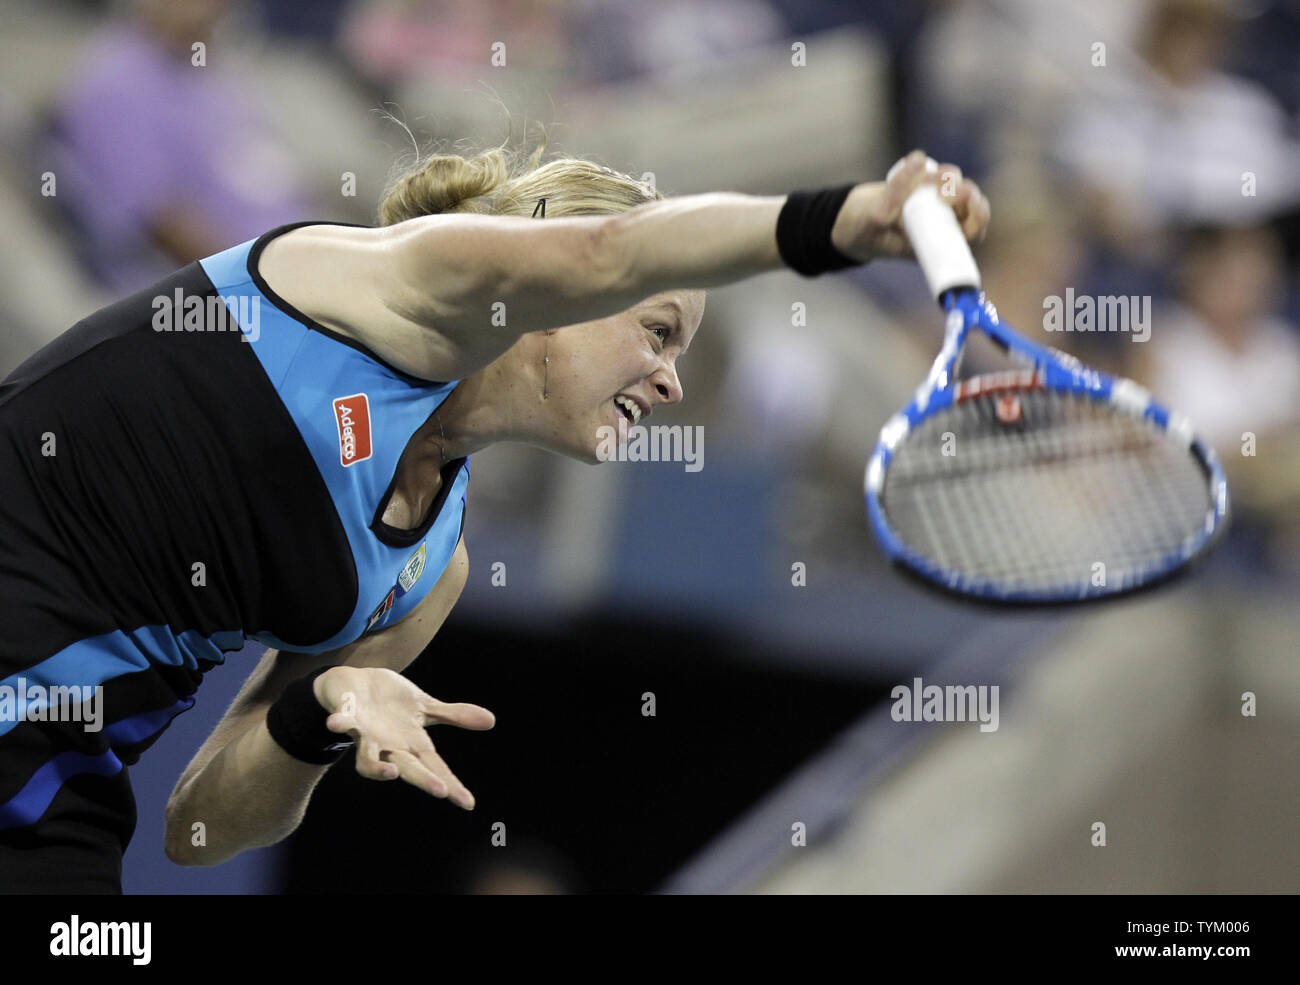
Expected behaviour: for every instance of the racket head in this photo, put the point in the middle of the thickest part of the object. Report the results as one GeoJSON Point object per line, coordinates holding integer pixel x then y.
{"type": "Point", "coordinates": [1049, 483]}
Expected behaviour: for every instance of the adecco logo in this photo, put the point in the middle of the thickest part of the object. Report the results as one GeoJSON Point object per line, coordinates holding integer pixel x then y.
{"type": "Point", "coordinates": [352, 414]}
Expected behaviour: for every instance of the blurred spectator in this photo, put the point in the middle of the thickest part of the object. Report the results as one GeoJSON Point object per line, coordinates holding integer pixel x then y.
{"type": "Point", "coordinates": [162, 156]}
{"type": "Point", "coordinates": [441, 56]}
{"type": "Point", "coordinates": [1223, 356]}
{"type": "Point", "coordinates": [626, 38]}
{"type": "Point", "coordinates": [785, 381]}
{"type": "Point", "coordinates": [1266, 50]}
{"type": "Point", "coordinates": [985, 73]}
{"type": "Point", "coordinates": [315, 21]}
{"type": "Point", "coordinates": [399, 42]}
{"type": "Point", "coordinates": [1175, 140]}
{"type": "Point", "coordinates": [1225, 359]}
{"type": "Point", "coordinates": [1030, 254]}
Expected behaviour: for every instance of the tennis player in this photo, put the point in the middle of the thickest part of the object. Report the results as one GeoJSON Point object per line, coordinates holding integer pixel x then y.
{"type": "Point", "coordinates": [273, 443]}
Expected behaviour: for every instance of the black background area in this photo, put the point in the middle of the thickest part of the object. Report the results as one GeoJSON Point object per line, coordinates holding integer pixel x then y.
{"type": "Point", "coordinates": [595, 796]}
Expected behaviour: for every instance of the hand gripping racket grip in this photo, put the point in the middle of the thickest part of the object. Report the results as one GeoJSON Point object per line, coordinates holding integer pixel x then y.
{"type": "Point", "coordinates": [938, 242]}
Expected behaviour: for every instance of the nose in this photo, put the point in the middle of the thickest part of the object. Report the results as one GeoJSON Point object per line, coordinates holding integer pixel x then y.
{"type": "Point", "coordinates": [667, 385]}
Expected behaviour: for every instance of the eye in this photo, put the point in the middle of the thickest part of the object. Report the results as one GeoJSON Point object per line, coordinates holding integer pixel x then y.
{"type": "Point", "coordinates": [666, 332]}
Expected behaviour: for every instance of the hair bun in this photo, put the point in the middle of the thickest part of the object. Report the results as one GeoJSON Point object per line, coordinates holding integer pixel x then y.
{"type": "Point", "coordinates": [494, 182]}
{"type": "Point", "coordinates": [446, 183]}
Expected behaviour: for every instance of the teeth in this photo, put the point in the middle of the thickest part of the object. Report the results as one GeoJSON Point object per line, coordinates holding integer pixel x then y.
{"type": "Point", "coordinates": [632, 406]}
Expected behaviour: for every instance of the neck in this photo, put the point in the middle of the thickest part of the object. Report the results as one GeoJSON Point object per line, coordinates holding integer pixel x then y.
{"type": "Point", "coordinates": [486, 408]}
{"type": "Point", "coordinates": [501, 402]}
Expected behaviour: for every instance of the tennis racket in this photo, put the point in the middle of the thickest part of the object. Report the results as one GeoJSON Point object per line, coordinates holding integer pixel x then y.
{"type": "Point", "coordinates": [1048, 482]}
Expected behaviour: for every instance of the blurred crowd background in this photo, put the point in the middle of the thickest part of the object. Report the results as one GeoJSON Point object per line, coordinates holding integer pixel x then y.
{"type": "Point", "coordinates": [1144, 148]}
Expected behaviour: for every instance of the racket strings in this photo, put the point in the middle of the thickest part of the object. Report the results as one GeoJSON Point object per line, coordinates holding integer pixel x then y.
{"type": "Point", "coordinates": [1038, 502]}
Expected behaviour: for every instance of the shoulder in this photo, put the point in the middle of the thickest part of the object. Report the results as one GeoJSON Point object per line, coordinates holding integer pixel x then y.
{"type": "Point", "coordinates": [295, 259]}
{"type": "Point", "coordinates": [342, 277]}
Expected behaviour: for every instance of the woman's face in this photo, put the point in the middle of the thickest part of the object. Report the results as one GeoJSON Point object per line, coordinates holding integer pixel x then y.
{"type": "Point", "coordinates": [596, 368]}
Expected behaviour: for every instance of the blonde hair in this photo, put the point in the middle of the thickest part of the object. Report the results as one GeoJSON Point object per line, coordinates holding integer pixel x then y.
{"type": "Point", "coordinates": [498, 181]}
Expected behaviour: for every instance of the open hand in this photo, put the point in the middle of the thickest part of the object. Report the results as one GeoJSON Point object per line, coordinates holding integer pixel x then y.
{"type": "Point", "coordinates": [387, 715]}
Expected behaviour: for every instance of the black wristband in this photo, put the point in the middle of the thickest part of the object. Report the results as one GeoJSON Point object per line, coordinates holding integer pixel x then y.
{"type": "Point", "coordinates": [803, 231]}
{"type": "Point", "coordinates": [296, 722]}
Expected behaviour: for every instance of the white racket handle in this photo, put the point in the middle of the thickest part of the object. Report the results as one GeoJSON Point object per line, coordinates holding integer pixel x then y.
{"type": "Point", "coordinates": [938, 242]}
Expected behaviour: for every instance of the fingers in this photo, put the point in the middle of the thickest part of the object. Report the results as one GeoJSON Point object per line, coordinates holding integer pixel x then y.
{"type": "Point", "coordinates": [913, 163]}
{"type": "Point", "coordinates": [392, 742]}
{"type": "Point", "coordinates": [418, 764]}
{"type": "Point", "coordinates": [975, 220]}
{"type": "Point", "coordinates": [967, 201]}
{"type": "Point", "coordinates": [370, 762]}
{"type": "Point", "coordinates": [430, 773]}
{"type": "Point", "coordinates": [341, 722]}
{"type": "Point", "coordinates": [464, 715]}
{"type": "Point", "coordinates": [422, 768]}
{"type": "Point", "coordinates": [903, 178]}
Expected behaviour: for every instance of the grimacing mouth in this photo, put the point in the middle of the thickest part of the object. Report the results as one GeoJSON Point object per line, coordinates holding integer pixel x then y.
{"type": "Point", "coordinates": [632, 408]}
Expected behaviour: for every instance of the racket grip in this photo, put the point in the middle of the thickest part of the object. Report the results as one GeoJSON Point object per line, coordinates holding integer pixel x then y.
{"type": "Point", "coordinates": [938, 242]}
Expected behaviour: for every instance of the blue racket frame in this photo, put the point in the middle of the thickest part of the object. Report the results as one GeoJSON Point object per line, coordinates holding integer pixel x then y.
{"type": "Point", "coordinates": [969, 309]}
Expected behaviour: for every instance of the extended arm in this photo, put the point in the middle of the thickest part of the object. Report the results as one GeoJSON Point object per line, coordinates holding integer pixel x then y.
{"type": "Point", "coordinates": [441, 296]}
{"type": "Point", "coordinates": [241, 787]}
